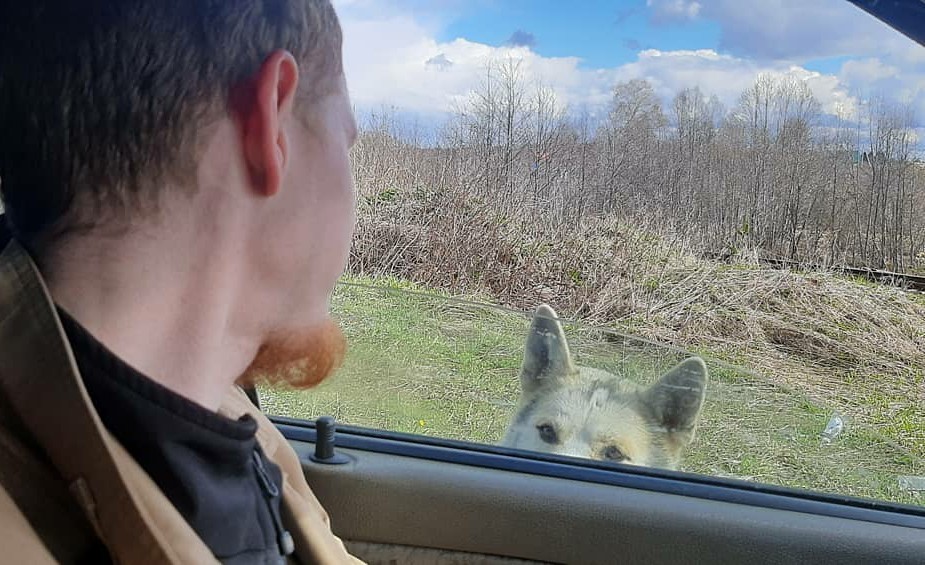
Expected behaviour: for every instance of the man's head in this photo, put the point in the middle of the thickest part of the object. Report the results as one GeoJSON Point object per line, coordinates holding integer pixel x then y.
{"type": "Point", "coordinates": [103, 102]}
{"type": "Point", "coordinates": [224, 120]}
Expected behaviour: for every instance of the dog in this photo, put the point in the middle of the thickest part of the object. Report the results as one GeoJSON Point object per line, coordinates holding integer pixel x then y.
{"type": "Point", "coordinates": [590, 413]}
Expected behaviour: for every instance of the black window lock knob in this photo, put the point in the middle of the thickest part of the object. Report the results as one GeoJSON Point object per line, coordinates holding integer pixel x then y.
{"type": "Point", "coordinates": [325, 437]}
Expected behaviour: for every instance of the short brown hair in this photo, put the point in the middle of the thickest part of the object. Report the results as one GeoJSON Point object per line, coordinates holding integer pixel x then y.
{"type": "Point", "coordinates": [101, 100]}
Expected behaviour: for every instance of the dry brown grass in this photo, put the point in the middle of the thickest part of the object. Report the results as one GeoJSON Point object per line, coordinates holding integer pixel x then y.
{"type": "Point", "coordinates": [855, 346]}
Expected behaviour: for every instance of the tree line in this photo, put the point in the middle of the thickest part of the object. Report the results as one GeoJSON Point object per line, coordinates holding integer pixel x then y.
{"type": "Point", "coordinates": [772, 174]}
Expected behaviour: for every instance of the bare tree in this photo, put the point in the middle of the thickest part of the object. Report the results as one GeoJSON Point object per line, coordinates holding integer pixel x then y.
{"type": "Point", "coordinates": [772, 174]}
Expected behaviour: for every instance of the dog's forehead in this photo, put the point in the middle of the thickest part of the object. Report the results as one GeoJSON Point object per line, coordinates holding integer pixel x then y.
{"type": "Point", "coordinates": [598, 414]}
{"type": "Point", "coordinates": [588, 400]}
{"type": "Point", "coordinates": [593, 400]}
{"type": "Point", "coordinates": [589, 375]}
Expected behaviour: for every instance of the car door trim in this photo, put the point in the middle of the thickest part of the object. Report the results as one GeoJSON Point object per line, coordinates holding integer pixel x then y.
{"type": "Point", "coordinates": [659, 480]}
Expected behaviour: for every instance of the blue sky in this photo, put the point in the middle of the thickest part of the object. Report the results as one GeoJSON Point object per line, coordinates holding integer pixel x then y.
{"type": "Point", "coordinates": [602, 33]}
{"type": "Point", "coordinates": [605, 33]}
{"type": "Point", "coordinates": [426, 56]}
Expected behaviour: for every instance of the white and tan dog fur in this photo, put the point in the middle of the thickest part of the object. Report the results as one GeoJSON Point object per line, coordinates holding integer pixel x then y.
{"type": "Point", "coordinates": [591, 413]}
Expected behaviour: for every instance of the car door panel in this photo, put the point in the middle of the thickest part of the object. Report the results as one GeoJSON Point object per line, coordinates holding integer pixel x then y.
{"type": "Point", "coordinates": [383, 499]}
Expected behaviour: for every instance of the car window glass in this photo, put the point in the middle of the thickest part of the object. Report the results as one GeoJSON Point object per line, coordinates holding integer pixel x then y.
{"type": "Point", "coordinates": [436, 366]}
{"type": "Point", "coordinates": [723, 208]}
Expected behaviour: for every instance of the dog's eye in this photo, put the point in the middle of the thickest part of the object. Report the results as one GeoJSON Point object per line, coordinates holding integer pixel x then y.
{"type": "Point", "coordinates": [548, 433]}
{"type": "Point", "coordinates": [613, 453]}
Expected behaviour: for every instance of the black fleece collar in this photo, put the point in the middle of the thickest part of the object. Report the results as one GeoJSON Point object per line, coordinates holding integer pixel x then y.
{"type": "Point", "coordinates": [206, 464]}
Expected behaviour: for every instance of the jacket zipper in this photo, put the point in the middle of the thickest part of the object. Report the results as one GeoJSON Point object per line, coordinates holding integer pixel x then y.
{"type": "Point", "coordinates": [270, 493]}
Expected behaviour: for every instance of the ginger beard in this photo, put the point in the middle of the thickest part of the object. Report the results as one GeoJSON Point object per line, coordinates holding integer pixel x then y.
{"type": "Point", "coordinates": [300, 359]}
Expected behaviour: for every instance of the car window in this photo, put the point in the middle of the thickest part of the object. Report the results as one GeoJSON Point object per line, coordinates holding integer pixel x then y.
{"type": "Point", "coordinates": [673, 234]}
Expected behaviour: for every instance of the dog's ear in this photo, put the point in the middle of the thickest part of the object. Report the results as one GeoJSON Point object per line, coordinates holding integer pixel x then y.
{"type": "Point", "coordinates": [676, 399]}
{"type": "Point", "coordinates": [547, 357]}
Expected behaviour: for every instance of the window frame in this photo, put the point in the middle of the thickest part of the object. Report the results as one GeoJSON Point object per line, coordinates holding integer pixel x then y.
{"type": "Point", "coordinates": [720, 489]}
{"type": "Point", "coordinates": [908, 18]}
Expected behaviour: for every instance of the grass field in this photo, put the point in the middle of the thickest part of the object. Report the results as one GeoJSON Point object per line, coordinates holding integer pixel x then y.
{"type": "Point", "coordinates": [427, 363]}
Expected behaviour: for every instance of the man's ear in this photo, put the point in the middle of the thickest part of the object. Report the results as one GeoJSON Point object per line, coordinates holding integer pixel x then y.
{"type": "Point", "coordinates": [676, 399]}
{"type": "Point", "coordinates": [547, 357]}
{"type": "Point", "coordinates": [263, 104]}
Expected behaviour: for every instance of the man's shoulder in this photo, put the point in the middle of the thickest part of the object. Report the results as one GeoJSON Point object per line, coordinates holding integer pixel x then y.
{"type": "Point", "coordinates": [38, 515]}
{"type": "Point", "coordinates": [35, 501]}
{"type": "Point", "coordinates": [19, 539]}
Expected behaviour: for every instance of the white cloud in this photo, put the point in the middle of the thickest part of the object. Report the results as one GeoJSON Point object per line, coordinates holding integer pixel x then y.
{"type": "Point", "coordinates": [873, 78]}
{"type": "Point", "coordinates": [866, 71]}
{"type": "Point", "coordinates": [727, 76]}
{"type": "Point", "coordinates": [397, 62]}
{"type": "Point", "coordinates": [790, 29]}
{"type": "Point", "coordinates": [439, 62]}
{"type": "Point", "coordinates": [394, 60]}
{"type": "Point", "coordinates": [776, 32]}
{"type": "Point", "coordinates": [831, 92]}
{"type": "Point", "coordinates": [674, 10]}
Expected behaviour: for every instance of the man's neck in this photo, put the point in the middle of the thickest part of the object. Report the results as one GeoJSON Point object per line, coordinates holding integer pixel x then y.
{"type": "Point", "coordinates": [163, 302]}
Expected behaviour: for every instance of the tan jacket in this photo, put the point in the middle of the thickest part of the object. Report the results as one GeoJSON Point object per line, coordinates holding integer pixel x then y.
{"type": "Point", "coordinates": [66, 482]}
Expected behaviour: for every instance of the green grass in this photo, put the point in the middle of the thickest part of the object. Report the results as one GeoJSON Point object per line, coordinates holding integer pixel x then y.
{"type": "Point", "coordinates": [422, 362]}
